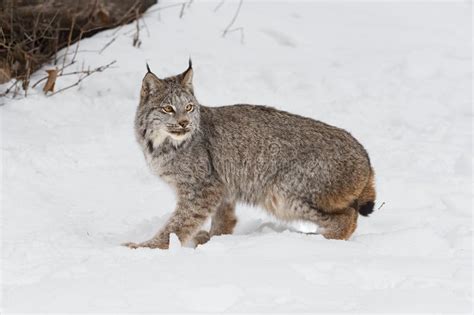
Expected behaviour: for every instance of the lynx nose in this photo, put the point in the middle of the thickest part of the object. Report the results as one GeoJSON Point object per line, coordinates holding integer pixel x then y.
{"type": "Point", "coordinates": [183, 123]}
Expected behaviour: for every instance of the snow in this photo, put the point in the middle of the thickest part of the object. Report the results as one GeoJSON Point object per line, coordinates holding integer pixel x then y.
{"type": "Point", "coordinates": [397, 75]}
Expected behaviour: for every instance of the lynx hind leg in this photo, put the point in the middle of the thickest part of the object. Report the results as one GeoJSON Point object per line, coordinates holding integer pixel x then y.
{"type": "Point", "coordinates": [338, 224]}
{"type": "Point", "coordinates": [223, 222]}
{"type": "Point", "coordinates": [341, 225]}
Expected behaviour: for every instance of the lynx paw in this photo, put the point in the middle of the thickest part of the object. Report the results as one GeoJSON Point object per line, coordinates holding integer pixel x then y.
{"type": "Point", "coordinates": [201, 237]}
{"type": "Point", "coordinates": [153, 243]}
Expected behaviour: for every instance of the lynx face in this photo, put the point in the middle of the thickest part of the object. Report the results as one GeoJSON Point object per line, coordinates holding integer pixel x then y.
{"type": "Point", "coordinates": [168, 107]}
{"type": "Point", "coordinates": [176, 115]}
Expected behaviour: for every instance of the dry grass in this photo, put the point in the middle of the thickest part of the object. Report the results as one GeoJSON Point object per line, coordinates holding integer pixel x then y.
{"type": "Point", "coordinates": [32, 32]}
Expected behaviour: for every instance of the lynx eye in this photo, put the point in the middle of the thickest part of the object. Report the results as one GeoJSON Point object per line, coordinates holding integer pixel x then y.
{"type": "Point", "coordinates": [167, 109]}
{"type": "Point", "coordinates": [189, 107]}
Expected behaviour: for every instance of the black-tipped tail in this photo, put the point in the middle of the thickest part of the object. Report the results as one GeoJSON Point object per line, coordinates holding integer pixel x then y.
{"type": "Point", "coordinates": [367, 208]}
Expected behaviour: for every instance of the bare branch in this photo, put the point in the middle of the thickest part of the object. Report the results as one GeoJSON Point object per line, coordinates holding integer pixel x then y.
{"type": "Point", "coordinates": [219, 5]}
{"type": "Point", "coordinates": [77, 47]}
{"type": "Point", "coordinates": [164, 7]}
{"type": "Point", "coordinates": [69, 39]}
{"type": "Point", "coordinates": [228, 28]}
{"type": "Point", "coordinates": [86, 73]}
{"type": "Point", "coordinates": [36, 30]}
{"type": "Point", "coordinates": [9, 88]}
{"type": "Point", "coordinates": [238, 29]}
{"type": "Point", "coordinates": [61, 75]}
{"type": "Point", "coordinates": [136, 37]}
{"type": "Point", "coordinates": [181, 13]}
{"type": "Point", "coordinates": [107, 45]}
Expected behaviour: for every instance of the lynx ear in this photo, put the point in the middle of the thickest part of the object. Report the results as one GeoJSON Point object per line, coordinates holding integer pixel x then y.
{"type": "Point", "coordinates": [151, 83]}
{"type": "Point", "coordinates": [186, 78]}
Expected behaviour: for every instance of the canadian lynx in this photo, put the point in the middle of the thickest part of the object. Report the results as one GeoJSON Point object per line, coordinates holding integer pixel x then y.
{"type": "Point", "coordinates": [296, 168]}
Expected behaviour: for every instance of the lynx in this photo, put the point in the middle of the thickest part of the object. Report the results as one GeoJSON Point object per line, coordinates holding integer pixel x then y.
{"type": "Point", "coordinates": [295, 167]}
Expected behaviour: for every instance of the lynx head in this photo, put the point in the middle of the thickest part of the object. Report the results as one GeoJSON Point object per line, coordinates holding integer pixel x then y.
{"type": "Point", "coordinates": [168, 107]}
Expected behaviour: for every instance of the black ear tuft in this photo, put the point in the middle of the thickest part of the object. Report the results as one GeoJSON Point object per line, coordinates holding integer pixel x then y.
{"type": "Point", "coordinates": [186, 78]}
{"type": "Point", "coordinates": [148, 68]}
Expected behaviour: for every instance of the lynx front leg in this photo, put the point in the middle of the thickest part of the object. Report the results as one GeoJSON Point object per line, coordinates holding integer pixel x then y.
{"type": "Point", "coordinates": [194, 207]}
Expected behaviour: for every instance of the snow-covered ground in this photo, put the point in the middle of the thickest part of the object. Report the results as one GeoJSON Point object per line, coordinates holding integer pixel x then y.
{"type": "Point", "coordinates": [396, 75]}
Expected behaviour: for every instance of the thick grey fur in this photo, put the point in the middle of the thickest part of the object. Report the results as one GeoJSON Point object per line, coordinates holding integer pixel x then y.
{"type": "Point", "coordinates": [295, 167]}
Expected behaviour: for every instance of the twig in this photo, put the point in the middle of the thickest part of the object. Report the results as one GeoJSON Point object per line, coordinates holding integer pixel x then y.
{"type": "Point", "coordinates": [69, 39]}
{"type": "Point", "coordinates": [383, 203]}
{"type": "Point", "coordinates": [50, 22]}
{"type": "Point", "coordinates": [107, 45]}
{"type": "Point", "coordinates": [238, 29]}
{"type": "Point", "coordinates": [86, 73]}
{"type": "Point", "coordinates": [219, 5]}
{"type": "Point", "coordinates": [136, 37]}
{"type": "Point", "coordinates": [26, 81]}
{"type": "Point", "coordinates": [159, 9]}
{"type": "Point", "coordinates": [56, 45]}
{"type": "Point", "coordinates": [126, 19]}
{"type": "Point", "coordinates": [181, 13]}
{"type": "Point", "coordinates": [80, 51]}
{"type": "Point", "coordinates": [16, 91]}
{"type": "Point", "coordinates": [146, 28]}
{"type": "Point", "coordinates": [9, 88]}
{"type": "Point", "coordinates": [77, 47]}
{"type": "Point", "coordinates": [59, 75]}
{"type": "Point", "coordinates": [227, 29]}
{"type": "Point", "coordinates": [164, 7]}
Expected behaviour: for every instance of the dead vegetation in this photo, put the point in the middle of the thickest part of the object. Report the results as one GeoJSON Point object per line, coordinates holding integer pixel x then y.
{"type": "Point", "coordinates": [229, 28]}
{"type": "Point", "coordinates": [33, 31]}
